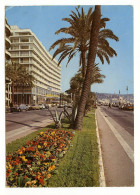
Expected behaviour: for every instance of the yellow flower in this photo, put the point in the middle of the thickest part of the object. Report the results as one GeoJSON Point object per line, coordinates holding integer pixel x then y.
{"type": "Point", "coordinates": [20, 152]}
{"type": "Point", "coordinates": [24, 159]}
{"type": "Point", "coordinates": [48, 153]}
{"type": "Point", "coordinates": [45, 164]}
{"type": "Point", "coordinates": [8, 166]}
{"type": "Point", "coordinates": [41, 133]}
{"type": "Point", "coordinates": [51, 168]}
{"type": "Point", "coordinates": [39, 146]}
{"type": "Point", "coordinates": [45, 144]}
{"type": "Point", "coordinates": [53, 133]}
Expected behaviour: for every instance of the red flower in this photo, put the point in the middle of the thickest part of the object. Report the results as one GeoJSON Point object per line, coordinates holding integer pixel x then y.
{"type": "Point", "coordinates": [7, 174]}
{"type": "Point", "coordinates": [41, 181]}
{"type": "Point", "coordinates": [16, 174]}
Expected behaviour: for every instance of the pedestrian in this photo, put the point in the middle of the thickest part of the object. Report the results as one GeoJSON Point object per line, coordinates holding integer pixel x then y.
{"type": "Point", "coordinates": [109, 106]}
{"type": "Point", "coordinates": [11, 106]}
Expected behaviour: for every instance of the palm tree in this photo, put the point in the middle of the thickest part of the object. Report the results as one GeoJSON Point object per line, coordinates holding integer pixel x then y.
{"type": "Point", "coordinates": [76, 84]}
{"type": "Point", "coordinates": [79, 30]}
{"type": "Point", "coordinates": [91, 60]}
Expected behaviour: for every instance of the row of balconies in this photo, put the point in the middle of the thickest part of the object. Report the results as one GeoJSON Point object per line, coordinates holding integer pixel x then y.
{"type": "Point", "coordinates": [40, 49]}
{"type": "Point", "coordinates": [54, 89]}
{"type": "Point", "coordinates": [22, 38]}
{"type": "Point", "coordinates": [27, 54]}
{"type": "Point", "coordinates": [38, 67]}
{"type": "Point", "coordinates": [47, 70]}
{"type": "Point", "coordinates": [41, 77]}
{"type": "Point", "coordinates": [45, 85]}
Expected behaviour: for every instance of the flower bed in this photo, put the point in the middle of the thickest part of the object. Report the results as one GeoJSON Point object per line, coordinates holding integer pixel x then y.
{"type": "Point", "coordinates": [34, 163]}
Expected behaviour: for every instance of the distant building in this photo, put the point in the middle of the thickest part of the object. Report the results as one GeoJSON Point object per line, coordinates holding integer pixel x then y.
{"type": "Point", "coordinates": [27, 50]}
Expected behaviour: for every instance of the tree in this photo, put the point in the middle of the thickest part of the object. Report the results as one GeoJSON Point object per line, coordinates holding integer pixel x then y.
{"type": "Point", "coordinates": [91, 60]}
{"type": "Point", "coordinates": [19, 75]}
{"type": "Point", "coordinates": [76, 84]}
{"type": "Point", "coordinates": [12, 71]}
{"type": "Point", "coordinates": [79, 31]}
{"type": "Point", "coordinates": [25, 80]}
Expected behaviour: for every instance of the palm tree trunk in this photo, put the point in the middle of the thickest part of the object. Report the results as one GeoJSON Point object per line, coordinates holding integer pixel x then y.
{"type": "Point", "coordinates": [90, 63]}
{"type": "Point", "coordinates": [83, 54]}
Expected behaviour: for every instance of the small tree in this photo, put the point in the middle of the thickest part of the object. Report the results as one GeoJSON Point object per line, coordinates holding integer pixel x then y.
{"type": "Point", "coordinates": [19, 75]}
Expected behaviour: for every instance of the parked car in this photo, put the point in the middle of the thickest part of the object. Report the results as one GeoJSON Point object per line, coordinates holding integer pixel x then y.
{"type": "Point", "coordinates": [47, 106]}
{"type": "Point", "coordinates": [22, 107]}
{"type": "Point", "coordinates": [19, 108]}
{"type": "Point", "coordinates": [127, 107]}
{"type": "Point", "coordinates": [52, 105]}
{"type": "Point", "coordinates": [60, 106]}
{"type": "Point", "coordinates": [7, 109]}
{"type": "Point", "coordinates": [42, 106]}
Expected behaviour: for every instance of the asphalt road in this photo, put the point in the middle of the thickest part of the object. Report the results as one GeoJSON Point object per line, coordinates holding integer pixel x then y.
{"type": "Point", "coordinates": [116, 131]}
{"type": "Point", "coordinates": [17, 120]}
{"type": "Point", "coordinates": [122, 117]}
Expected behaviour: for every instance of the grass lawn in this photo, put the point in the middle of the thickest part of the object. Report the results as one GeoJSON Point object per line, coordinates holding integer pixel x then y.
{"type": "Point", "coordinates": [79, 167]}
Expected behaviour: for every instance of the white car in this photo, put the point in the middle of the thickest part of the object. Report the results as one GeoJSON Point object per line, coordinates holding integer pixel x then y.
{"type": "Point", "coordinates": [22, 107]}
{"type": "Point", "coordinates": [42, 106]}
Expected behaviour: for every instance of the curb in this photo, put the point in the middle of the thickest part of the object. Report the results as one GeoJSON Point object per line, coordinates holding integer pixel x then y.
{"type": "Point", "coordinates": [101, 167]}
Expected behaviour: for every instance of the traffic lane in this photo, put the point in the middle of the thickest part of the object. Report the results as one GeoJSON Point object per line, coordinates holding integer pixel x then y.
{"type": "Point", "coordinates": [123, 118]}
{"type": "Point", "coordinates": [19, 119]}
{"type": "Point", "coordinates": [26, 118]}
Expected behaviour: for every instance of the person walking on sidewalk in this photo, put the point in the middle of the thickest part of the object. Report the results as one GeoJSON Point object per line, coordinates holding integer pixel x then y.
{"type": "Point", "coordinates": [109, 106]}
{"type": "Point", "coordinates": [11, 106]}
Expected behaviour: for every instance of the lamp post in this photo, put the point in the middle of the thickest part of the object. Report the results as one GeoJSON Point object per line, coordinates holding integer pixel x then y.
{"type": "Point", "coordinates": [119, 97]}
{"type": "Point", "coordinates": [127, 93]}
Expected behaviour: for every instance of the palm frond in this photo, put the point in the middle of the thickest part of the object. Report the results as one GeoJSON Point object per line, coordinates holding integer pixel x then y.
{"type": "Point", "coordinates": [61, 41]}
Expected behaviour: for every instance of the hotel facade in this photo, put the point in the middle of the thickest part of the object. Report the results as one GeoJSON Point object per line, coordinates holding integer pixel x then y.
{"type": "Point", "coordinates": [8, 92]}
{"type": "Point", "coordinates": [27, 50]}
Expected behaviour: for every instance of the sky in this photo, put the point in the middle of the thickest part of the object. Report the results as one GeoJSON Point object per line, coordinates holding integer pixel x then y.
{"type": "Point", "coordinates": [44, 21]}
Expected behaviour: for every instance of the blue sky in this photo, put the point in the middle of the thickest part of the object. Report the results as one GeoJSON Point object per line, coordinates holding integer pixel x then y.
{"type": "Point", "coordinates": [44, 21]}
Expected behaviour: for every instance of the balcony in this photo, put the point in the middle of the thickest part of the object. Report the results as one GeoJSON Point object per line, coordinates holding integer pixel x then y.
{"type": "Point", "coordinates": [8, 30]}
{"type": "Point", "coordinates": [7, 55]}
{"type": "Point", "coordinates": [7, 43]}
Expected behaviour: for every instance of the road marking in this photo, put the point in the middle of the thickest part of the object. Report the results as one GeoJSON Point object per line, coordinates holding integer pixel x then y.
{"type": "Point", "coordinates": [102, 175]}
{"type": "Point", "coordinates": [123, 143]}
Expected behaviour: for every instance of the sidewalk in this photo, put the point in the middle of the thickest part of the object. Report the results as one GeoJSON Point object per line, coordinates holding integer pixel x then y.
{"type": "Point", "coordinates": [117, 152]}
{"type": "Point", "coordinates": [23, 131]}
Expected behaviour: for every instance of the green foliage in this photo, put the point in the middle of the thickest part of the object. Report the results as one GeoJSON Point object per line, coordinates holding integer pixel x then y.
{"type": "Point", "coordinates": [79, 167]}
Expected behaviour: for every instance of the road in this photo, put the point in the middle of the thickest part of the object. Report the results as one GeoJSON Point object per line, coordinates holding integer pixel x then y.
{"type": "Point", "coordinates": [122, 117]}
{"type": "Point", "coordinates": [19, 124]}
{"type": "Point", "coordinates": [116, 130]}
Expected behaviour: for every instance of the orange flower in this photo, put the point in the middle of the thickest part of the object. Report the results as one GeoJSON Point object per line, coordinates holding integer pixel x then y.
{"type": "Point", "coordinates": [16, 174]}
{"type": "Point", "coordinates": [49, 175]}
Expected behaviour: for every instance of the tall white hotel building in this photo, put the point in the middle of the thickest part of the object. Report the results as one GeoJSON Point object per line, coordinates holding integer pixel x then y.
{"type": "Point", "coordinates": [27, 50]}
